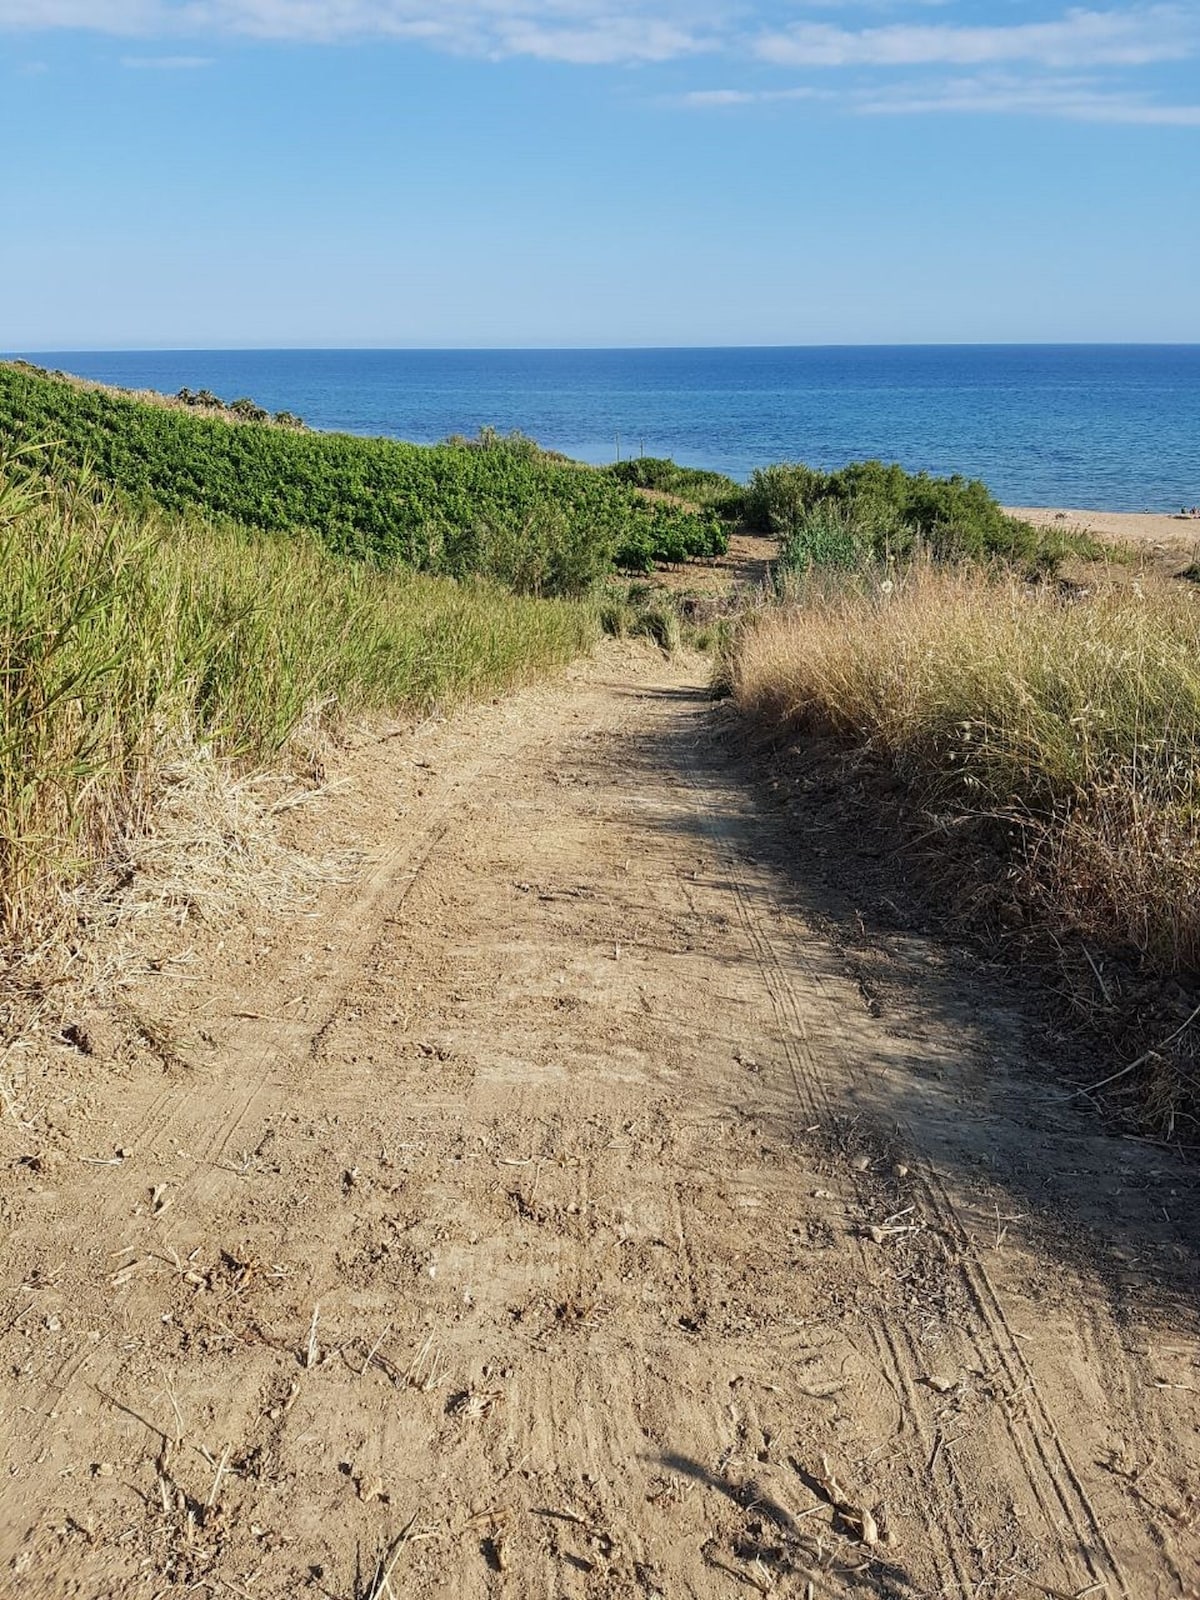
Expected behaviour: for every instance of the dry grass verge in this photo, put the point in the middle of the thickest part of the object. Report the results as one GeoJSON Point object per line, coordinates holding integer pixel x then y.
{"type": "Point", "coordinates": [129, 646]}
{"type": "Point", "coordinates": [1063, 725]}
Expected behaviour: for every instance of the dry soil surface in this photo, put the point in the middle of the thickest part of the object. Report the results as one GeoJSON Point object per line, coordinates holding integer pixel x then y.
{"type": "Point", "coordinates": [556, 1213]}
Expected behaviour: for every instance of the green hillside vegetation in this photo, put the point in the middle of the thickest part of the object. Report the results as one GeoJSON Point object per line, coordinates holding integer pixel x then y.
{"type": "Point", "coordinates": [128, 639]}
{"type": "Point", "coordinates": [869, 512]}
{"type": "Point", "coordinates": [494, 507]}
{"type": "Point", "coordinates": [712, 490]}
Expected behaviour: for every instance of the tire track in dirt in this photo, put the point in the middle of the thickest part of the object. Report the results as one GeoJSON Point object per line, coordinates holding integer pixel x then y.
{"type": "Point", "coordinates": [1105, 1355]}
{"type": "Point", "coordinates": [172, 1110]}
{"type": "Point", "coordinates": [562, 1149]}
{"type": "Point", "coordinates": [251, 1052]}
{"type": "Point", "coordinates": [1049, 1471]}
{"type": "Point", "coordinates": [1040, 1459]}
{"type": "Point", "coordinates": [950, 1551]}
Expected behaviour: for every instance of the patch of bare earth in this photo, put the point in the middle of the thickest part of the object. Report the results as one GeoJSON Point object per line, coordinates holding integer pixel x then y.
{"type": "Point", "coordinates": [555, 1211]}
{"type": "Point", "coordinates": [744, 566]}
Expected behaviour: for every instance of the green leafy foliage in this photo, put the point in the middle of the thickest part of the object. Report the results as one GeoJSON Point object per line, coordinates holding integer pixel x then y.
{"type": "Point", "coordinates": [663, 534]}
{"type": "Point", "coordinates": [870, 511]}
{"type": "Point", "coordinates": [495, 506]}
{"type": "Point", "coordinates": [712, 490]}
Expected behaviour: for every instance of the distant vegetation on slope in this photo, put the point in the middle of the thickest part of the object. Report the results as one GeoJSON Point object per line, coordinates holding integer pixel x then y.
{"type": "Point", "coordinates": [126, 639]}
{"type": "Point", "coordinates": [712, 490]}
{"type": "Point", "coordinates": [869, 512]}
{"type": "Point", "coordinates": [1053, 733]}
{"type": "Point", "coordinates": [497, 506]}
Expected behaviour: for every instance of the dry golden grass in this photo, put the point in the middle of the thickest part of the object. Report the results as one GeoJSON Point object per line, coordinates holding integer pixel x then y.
{"type": "Point", "coordinates": [1074, 714]}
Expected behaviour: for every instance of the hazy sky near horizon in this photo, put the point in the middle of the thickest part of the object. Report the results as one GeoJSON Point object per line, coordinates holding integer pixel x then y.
{"type": "Point", "coordinates": [556, 172]}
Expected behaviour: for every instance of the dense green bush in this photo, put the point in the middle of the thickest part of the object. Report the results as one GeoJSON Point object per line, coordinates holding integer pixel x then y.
{"type": "Point", "coordinates": [495, 506]}
{"type": "Point", "coordinates": [778, 496]}
{"type": "Point", "coordinates": [663, 535]}
{"type": "Point", "coordinates": [709, 489]}
{"type": "Point", "coordinates": [872, 511]}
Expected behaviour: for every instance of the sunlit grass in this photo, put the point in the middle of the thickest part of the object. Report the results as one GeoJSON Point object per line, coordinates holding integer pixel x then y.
{"type": "Point", "coordinates": [121, 636]}
{"type": "Point", "coordinates": [1076, 719]}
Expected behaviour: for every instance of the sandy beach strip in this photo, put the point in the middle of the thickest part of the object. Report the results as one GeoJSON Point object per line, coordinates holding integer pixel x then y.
{"type": "Point", "coordinates": [1162, 530]}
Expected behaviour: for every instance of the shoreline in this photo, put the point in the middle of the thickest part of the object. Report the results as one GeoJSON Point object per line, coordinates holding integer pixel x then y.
{"type": "Point", "coordinates": [1161, 533]}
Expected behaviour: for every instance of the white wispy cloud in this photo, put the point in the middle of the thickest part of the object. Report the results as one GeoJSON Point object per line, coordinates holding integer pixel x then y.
{"type": "Point", "coordinates": [1120, 37]}
{"type": "Point", "coordinates": [609, 41]}
{"type": "Point", "coordinates": [104, 16]}
{"type": "Point", "coordinates": [1076, 100]}
{"type": "Point", "coordinates": [166, 63]}
{"type": "Point", "coordinates": [869, 40]}
{"type": "Point", "coordinates": [1073, 99]}
{"type": "Point", "coordinates": [620, 31]}
{"type": "Point", "coordinates": [715, 98]}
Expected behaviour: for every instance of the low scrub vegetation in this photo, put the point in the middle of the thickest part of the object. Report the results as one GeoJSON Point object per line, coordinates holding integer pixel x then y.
{"type": "Point", "coordinates": [670, 619]}
{"type": "Point", "coordinates": [712, 490]}
{"type": "Point", "coordinates": [243, 410]}
{"type": "Point", "coordinates": [871, 512]}
{"type": "Point", "coordinates": [126, 639]}
{"type": "Point", "coordinates": [1067, 725]}
{"type": "Point", "coordinates": [496, 507]}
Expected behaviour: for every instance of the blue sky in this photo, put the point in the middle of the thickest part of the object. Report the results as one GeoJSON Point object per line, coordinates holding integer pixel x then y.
{"type": "Point", "coordinates": [229, 173]}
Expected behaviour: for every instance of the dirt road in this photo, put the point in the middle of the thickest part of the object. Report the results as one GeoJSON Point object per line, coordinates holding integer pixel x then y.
{"type": "Point", "coordinates": [559, 1214]}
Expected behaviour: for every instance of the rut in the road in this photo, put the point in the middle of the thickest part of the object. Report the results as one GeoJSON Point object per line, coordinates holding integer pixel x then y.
{"type": "Point", "coordinates": [555, 1219]}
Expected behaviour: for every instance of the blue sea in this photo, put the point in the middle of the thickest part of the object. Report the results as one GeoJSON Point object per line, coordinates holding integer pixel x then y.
{"type": "Point", "coordinates": [1094, 426]}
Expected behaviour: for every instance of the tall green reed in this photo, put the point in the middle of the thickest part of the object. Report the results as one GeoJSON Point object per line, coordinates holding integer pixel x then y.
{"type": "Point", "coordinates": [123, 638]}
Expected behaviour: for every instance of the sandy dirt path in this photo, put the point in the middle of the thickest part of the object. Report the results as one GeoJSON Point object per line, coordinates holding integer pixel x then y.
{"type": "Point", "coordinates": [559, 1213]}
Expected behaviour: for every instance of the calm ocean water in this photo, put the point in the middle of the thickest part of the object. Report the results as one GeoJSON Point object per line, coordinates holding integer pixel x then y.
{"type": "Point", "coordinates": [1098, 426]}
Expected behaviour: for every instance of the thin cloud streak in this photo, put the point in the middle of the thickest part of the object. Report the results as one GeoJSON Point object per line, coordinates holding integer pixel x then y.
{"type": "Point", "coordinates": [703, 99]}
{"type": "Point", "coordinates": [166, 63]}
{"type": "Point", "coordinates": [572, 31]}
{"type": "Point", "coordinates": [1069, 99]}
{"type": "Point", "coordinates": [130, 17]}
{"type": "Point", "coordinates": [600, 45]}
{"type": "Point", "coordinates": [1080, 38]}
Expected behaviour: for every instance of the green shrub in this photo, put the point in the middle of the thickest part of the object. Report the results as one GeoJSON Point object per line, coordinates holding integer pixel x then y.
{"type": "Point", "coordinates": [709, 489]}
{"type": "Point", "coordinates": [869, 511]}
{"type": "Point", "coordinates": [246, 410]}
{"type": "Point", "coordinates": [778, 495]}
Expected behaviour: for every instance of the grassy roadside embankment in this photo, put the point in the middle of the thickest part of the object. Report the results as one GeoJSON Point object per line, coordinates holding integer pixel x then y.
{"type": "Point", "coordinates": [1049, 739]}
{"type": "Point", "coordinates": [129, 639]}
{"type": "Point", "coordinates": [187, 575]}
